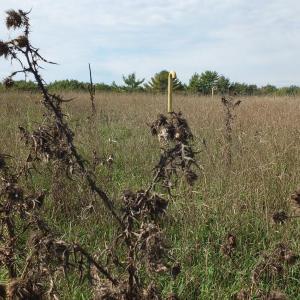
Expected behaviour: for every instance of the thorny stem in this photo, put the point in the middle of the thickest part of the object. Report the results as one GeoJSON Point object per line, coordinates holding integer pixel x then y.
{"type": "Point", "coordinates": [63, 126]}
{"type": "Point", "coordinates": [100, 268]}
{"type": "Point", "coordinates": [11, 232]}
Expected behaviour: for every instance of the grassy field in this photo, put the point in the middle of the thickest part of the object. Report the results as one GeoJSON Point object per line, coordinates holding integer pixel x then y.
{"type": "Point", "coordinates": [240, 199]}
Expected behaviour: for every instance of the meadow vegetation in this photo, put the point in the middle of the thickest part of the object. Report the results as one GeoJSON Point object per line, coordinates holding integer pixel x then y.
{"type": "Point", "coordinates": [92, 206]}
{"type": "Point", "coordinates": [239, 200]}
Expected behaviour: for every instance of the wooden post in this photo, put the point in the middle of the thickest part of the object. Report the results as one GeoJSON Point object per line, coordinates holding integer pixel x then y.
{"type": "Point", "coordinates": [213, 92]}
{"type": "Point", "coordinates": [172, 75]}
{"type": "Point", "coordinates": [92, 92]}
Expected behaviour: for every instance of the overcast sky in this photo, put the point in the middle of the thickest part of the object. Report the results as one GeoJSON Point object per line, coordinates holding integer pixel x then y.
{"type": "Point", "coordinates": [254, 41]}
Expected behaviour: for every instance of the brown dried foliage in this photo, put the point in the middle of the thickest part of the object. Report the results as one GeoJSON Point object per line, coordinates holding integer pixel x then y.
{"type": "Point", "coordinates": [177, 155]}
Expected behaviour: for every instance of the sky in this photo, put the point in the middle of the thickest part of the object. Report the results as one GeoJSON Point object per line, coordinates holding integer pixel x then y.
{"type": "Point", "coordinates": [254, 41]}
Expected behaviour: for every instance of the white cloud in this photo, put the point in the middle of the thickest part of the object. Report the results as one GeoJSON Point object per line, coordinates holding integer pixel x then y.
{"type": "Point", "coordinates": [256, 41]}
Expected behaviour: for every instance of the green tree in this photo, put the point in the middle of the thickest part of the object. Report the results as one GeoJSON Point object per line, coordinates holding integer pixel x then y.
{"type": "Point", "coordinates": [268, 89]}
{"type": "Point", "coordinates": [193, 85]}
{"type": "Point", "coordinates": [223, 85]}
{"type": "Point", "coordinates": [69, 85]}
{"type": "Point", "coordinates": [238, 88]}
{"type": "Point", "coordinates": [207, 81]}
{"type": "Point", "coordinates": [159, 83]}
{"type": "Point", "coordinates": [292, 90]}
{"type": "Point", "coordinates": [115, 87]}
{"type": "Point", "coordinates": [252, 89]}
{"type": "Point", "coordinates": [204, 82]}
{"type": "Point", "coordinates": [103, 87]}
{"type": "Point", "coordinates": [22, 85]}
{"type": "Point", "coordinates": [132, 83]}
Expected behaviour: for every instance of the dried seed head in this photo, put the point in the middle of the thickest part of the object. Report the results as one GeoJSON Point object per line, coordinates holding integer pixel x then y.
{"type": "Point", "coordinates": [21, 41]}
{"type": "Point", "coordinates": [280, 217]}
{"type": "Point", "coordinates": [229, 245]}
{"type": "Point", "coordinates": [191, 177]}
{"type": "Point", "coordinates": [296, 197]}
{"type": "Point", "coordinates": [8, 82]}
{"type": "Point", "coordinates": [13, 192]}
{"type": "Point", "coordinates": [4, 49]}
{"type": "Point", "coordinates": [14, 19]}
{"type": "Point", "coordinates": [158, 205]}
{"type": "Point", "coordinates": [175, 270]}
{"type": "Point", "coordinates": [224, 101]}
{"type": "Point", "coordinates": [285, 254]}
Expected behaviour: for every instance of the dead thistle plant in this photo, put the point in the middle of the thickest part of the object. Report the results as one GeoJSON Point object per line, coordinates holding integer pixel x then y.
{"type": "Point", "coordinates": [229, 106]}
{"type": "Point", "coordinates": [141, 240]}
{"type": "Point", "coordinates": [177, 155]}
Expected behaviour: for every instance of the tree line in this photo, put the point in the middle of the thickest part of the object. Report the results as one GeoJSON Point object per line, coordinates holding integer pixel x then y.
{"type": "Point", "coordinates": [200, 83]}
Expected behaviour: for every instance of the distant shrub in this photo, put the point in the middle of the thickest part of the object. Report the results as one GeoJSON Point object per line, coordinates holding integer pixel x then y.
{"type": "Point", "coordinates": [103, 87]}
{"type": "Point", "coordinates": [68, 85]}
{"type": "Point", "coordinates": [22, 85]}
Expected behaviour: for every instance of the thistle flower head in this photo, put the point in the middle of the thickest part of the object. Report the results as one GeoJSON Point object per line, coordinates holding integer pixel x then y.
{"type": "Point", "coordinates": [21, 41]}
{"type": "Point", "coordinates": [280, 217]}
{"type": "Point", "coordinates": [16, 19]}
{"type": "Point", "coordinates": [4, 49]}
{"type": "Point", "coordinates": [8, 82]}
{"type": "Point", "coordinates": [296, 197]}
{"type": "Point", "coordinates": [190, 177]}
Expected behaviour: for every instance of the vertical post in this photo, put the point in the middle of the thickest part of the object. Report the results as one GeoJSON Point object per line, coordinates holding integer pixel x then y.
{"type": "Point", "coordinates": [92, 91]}
{"type": "Point", "coordinates": [172, 75]}
{"type": "Point", "coordinates": [213, 92]}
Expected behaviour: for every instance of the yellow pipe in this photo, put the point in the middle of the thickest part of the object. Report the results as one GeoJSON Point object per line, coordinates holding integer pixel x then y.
{"type": "Point", "coordinates": [172, 75]}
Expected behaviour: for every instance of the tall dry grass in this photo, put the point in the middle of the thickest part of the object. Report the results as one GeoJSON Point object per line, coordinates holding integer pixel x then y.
{"type": "Point", "coordinates": [240, 201]}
